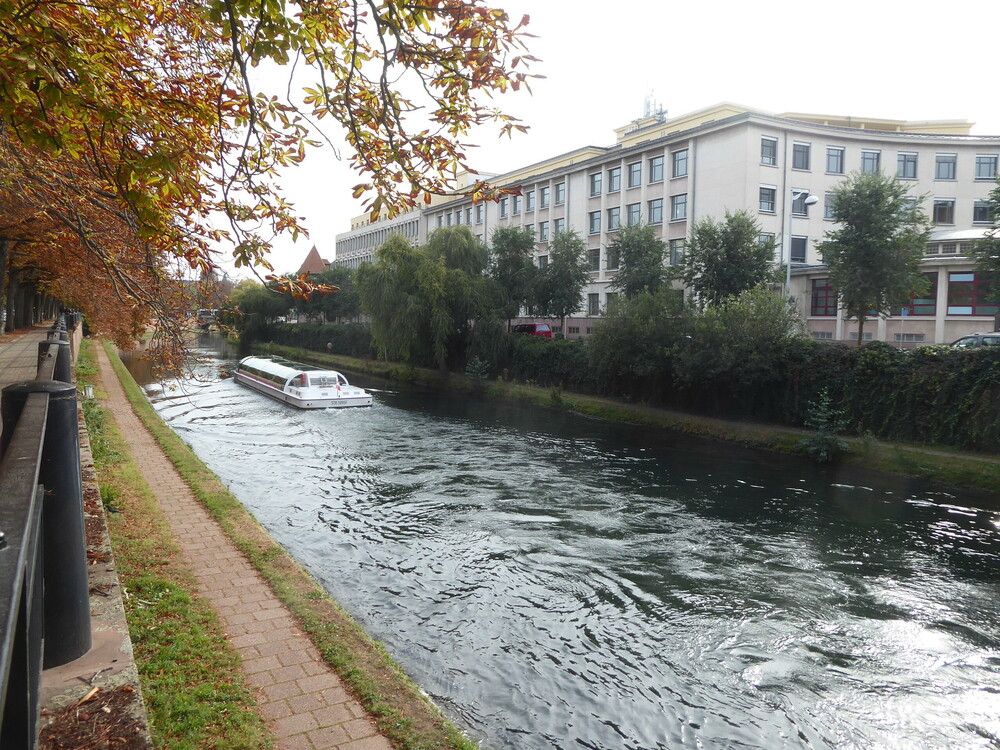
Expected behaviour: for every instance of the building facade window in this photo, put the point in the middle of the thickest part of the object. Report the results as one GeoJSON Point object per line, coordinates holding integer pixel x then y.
{"type": "Point", "coordinates": [945, 166]}
{"type": "Point", "coordinates": [635, 174]}
{"type": "Point", "coordinates": [614, 219]}
{"type": "Point", "coordinates": [824, 299]}
{"type": "Point", "coordinates": [595, 184]}
{"type": "Point", "coordinates": [594, 223]}
{"type": "Point", "coordinates": [614, 179]}
{"type": "Point", "coordinates": [656, 169]}
{"type": "Point", "coordinates": [870, 161]}
{"type": "Point", "coordinates": [593, 304]}
{"type": "Point", "coordinates": [800, 156]}
{"type": "Point", "coordinates": [679, 163]}
{"type": "Point", "coordinates": [906, 166]}
{"type": "Point", "coordinates": [613, 259]}
{"type": "Point", "coordinates": [834, 160]}
{"type": "Point", "coordinates": [561, 193]}
{"type": "Point", "coordinates": [656, 211]}
{"type": "Point", "coordinates": [529, 201]}
{"type": "Point", "coordinates": [767, 199]}
{"type": "Point", "coordinates": [925, 304]}
{"type": "Point", "coordinates": [798, 249]}
{"type": "Point", "coordinates": [594, 259]}
{"type": "Point", "coordinates": [504, 202]}
{"type": "Point", "coordinates": [543, 231]}
{"type": "Point", "coordinates": [676, 250]}
{"type": "Point", "coordinates": [558, 227]}
{"type": "Point", "coordinates": [543, 261]}
{"type": "Point", "coordinates": [448, 219]}
{"type": "Point", "coordinates": [543, 197]}
{"type": "Point", "coordinates": [516, 200]}
{"type": "Point", "coordinates": [769, 151]}
{"type": "Point", "coordinates": [969, 293]}
{"type": "Point", "coordinates": [480, 213]}
{"type": "Point", "coordinates": [981, 212]}
{"type": "Point", "coordinates": [944, 211]}
{"type": "Point", "coordinates": [828, 208]}
{"type": "Point", "coordinates": [678, 207]}
{"type": "Point", "coordinates": [468, 215]}
{"type": "Point", "coordinates": [440, 220]}
{"type": "Point", "coordinates": [986, 167]}
{"type": "Point", "coordinates": [633, 213]}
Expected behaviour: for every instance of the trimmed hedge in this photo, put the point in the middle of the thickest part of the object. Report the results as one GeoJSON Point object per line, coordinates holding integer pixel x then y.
{"type": "Point", "coordinates": [348, 339]}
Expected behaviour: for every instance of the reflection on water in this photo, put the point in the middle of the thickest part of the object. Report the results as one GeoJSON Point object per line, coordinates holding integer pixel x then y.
{"type": "Point", "coordinates": [559, 582]}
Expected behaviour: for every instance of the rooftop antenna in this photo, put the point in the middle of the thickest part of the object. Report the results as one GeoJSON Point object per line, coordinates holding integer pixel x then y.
{"type": "Point", "coordinates": [652, 108]}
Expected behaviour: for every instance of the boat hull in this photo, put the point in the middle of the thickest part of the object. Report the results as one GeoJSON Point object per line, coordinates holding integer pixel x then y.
{"type": "Point", "coordinates": [308, 398]}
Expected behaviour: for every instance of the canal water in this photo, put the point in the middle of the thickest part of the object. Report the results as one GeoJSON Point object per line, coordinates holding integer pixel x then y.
{"type": "Point", "coordinates": [554, 581]}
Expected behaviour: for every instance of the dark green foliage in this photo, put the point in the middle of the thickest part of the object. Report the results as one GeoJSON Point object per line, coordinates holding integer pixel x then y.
{"type": "Point", "coordinates": [512, 268]}
{"type": "Point", "coordinates": [640, 261]}
{"type": "Point", "coordinates": [826, 421]}
{"type": "Point", "coordinates": [874, 254]}
{"type": "Point", "coordinates": [332, 307]}
{"type": "Point", "coordinates": [254, 309]}
{"type": "Point", "coordinates": [986, 252]}
{"type": "Point", "coordinates": [725, 258]}
{"type": "Point", "coordinates": [424, 302]}
{"type": "Point", "coordinates": [349, 339]}
{"type": "Point", "coordinates": [631, 351]}
{"type": "Point", "coordinates": [547, 363]}
{"type": "Point", "coordinates": [559, 286]}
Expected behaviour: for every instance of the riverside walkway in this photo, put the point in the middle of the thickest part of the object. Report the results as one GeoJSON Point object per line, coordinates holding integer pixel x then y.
{"type": "Point", "coordinates": [302, 698]}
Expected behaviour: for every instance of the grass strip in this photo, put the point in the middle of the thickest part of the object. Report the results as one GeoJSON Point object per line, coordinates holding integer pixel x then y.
{"type": "Point", "coordinates": [190, 674]}
{"type": "Point", "coordinates": [938, 464]}
{"type": "Point", "coordinates": [401, 711]}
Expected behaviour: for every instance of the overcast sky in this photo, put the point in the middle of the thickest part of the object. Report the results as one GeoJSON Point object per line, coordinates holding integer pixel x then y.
{"type": "Point", "coordinates": [601, 60]}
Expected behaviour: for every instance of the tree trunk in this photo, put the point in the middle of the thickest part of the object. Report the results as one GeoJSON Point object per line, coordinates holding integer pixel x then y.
{"type": "Point", "coordinates": [4, 244]}
{"type": "Point", "coordinates": [861, 329]}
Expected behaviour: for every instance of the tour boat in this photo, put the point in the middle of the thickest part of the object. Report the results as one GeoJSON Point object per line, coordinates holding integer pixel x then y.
{"type": "Point", "coordinates": [304, 386]}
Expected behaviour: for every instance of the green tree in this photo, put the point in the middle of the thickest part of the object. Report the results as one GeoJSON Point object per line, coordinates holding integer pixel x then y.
{"type": "Point", "coordinates": [640, 260]}
{"type": "Point", "coordinates": [725, 258]}
{"type": "Point", "coordinates": [630, 352]}
{"type": "Point", "coordinates": [403, 293]}
{"type": "Point", "coordinates": [512, 269]}
{"type": "Point", "coordinates": [741, 345]}
{"type": "Point", "coordinates": [469, 294]}
{"type": "Point", "coordinates": [559, 287]}
{"type": "Point", "coordinates": [256, 307]}
{"type": "Point", "coordinates": [343, 304]}
{"type": "Point", "coordinates": [874, 255]}
{"type": "Point", "coordinates": [986, 252]}
{"type": "Point", "coordinates": [426, 302]}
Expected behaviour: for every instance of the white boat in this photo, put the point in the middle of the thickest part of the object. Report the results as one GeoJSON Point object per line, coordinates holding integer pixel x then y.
{"type": "Point", "coordinates": [300, 385]}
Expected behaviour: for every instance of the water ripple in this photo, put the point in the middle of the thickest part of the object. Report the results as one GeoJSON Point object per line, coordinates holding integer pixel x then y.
{"type": "Point", "coordinates": [558, 582]}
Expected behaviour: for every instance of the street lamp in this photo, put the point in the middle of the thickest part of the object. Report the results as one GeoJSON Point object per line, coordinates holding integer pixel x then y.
{"type": "Point", "coordinates": [786, 240]}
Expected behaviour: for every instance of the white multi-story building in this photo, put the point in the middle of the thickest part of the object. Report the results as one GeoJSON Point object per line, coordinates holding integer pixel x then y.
{"type": "Point", "coordinates": [669, 173]}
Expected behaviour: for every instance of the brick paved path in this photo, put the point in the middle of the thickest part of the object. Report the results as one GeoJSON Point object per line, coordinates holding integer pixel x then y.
{"type": "Point", "coordinates": [302, 698]}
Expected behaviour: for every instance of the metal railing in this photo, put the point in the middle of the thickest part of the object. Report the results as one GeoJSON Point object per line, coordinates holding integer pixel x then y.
{"type": "Point", "coordinates": [44, 595]}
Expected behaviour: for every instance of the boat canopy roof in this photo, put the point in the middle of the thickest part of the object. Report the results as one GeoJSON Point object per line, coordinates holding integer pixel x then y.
{"type": "Point", "coordinates": [285, 367]}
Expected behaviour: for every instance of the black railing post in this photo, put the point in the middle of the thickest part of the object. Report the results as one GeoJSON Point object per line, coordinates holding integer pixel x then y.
{"type": "Point", "coordinates": [60, 352]}
{"type": "Point", "coordinates": [64, 557]}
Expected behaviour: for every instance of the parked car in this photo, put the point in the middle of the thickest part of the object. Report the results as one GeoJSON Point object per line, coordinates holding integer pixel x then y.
{"type": "Point", "coordinates": [978, 339]}
{"type": "Point", "coordinates": [534, 329]}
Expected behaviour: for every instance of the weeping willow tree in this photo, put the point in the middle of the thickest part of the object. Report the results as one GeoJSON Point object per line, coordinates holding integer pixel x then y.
{"type": "Point", "coordinates": [429, 304]}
